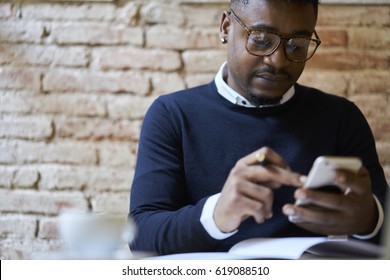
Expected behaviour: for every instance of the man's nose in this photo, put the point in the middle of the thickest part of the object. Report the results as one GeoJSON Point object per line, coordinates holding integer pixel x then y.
{"type": "Point", "coordinates": [278, 58]}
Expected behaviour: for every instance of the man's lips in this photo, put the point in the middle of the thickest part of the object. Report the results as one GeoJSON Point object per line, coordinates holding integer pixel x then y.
{"type": "Point", "coordinates": [272, 77]}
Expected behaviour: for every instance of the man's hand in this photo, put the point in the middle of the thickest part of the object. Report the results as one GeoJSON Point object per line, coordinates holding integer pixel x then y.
{"type": "Point", "coordinates": [248, 189]}
{"type": "Point", "coordinates": [351, 212]}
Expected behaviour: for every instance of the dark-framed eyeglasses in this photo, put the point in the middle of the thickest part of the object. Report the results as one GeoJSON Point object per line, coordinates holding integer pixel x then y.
{"type": "Point", "coordinates": [265, 43]}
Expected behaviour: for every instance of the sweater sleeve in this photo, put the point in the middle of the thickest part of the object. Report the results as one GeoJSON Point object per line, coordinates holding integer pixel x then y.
{"type": "Point", "coordinates": [356, 138]}
{"type": "Point", "coordinates": [167, 222]}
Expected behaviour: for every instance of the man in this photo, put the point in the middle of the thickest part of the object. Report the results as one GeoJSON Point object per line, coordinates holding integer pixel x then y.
{"type": "Point", "coordinates": [198, 184]}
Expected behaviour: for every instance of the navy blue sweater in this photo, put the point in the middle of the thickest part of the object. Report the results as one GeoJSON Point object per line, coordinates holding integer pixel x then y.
{"type": "Point", "coordinates": [191, 139]}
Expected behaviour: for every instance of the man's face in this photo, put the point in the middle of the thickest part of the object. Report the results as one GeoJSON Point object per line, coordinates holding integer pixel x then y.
{"type": "Point", "coordinates": [268, 76]}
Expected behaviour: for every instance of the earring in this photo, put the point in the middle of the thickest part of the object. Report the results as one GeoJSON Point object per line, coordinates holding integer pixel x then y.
{"type": "Point", "coordinates": [223, 40]}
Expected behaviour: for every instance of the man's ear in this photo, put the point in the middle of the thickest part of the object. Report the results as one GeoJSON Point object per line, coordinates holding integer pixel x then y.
{"type": "Point", "coordinates": [225, 26]}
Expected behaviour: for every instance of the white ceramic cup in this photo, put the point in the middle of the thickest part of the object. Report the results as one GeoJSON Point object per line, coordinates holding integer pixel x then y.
{"type": "Point", "coordinates": [94, 234]}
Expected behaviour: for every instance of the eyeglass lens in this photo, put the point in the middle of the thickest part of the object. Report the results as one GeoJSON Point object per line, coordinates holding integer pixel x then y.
{"type": "Point", "coordinates": [263, 43]}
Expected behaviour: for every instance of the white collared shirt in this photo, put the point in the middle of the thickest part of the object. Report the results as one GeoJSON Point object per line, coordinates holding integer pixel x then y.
{"type": "Point", "coordinates": [234, 97]}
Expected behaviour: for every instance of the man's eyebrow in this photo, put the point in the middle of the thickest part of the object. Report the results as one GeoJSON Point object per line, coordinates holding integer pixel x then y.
{"type": "Point", "coordinates": [265, 27]}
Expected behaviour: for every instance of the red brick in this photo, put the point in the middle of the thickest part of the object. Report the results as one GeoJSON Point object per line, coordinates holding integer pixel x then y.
{"type": "Point", "coordinates": [111, 202]}
{"type": "Point", "coordinates": [81, 81]}
{"type": "Point", "coordinates": [193, 80]}
{"type": "Point", "coordinates": [109, 179]}
{"type": "Point", "coordinates": [381, 129]}
{"type": "Point", "coordinates": [349, 60]}
{"type": "Point", "coordinates": [169, 37]}
{"type": "Point", "coordinates": [163, 83]}
{"type": "Point", "coordinates": [370, 82]}
{"type": "Point", "coordinates": [369, 38]}
{"type": "Point", "coordinates": [161, 13]}
{"type": "Point", "coordinates": [199, 16]}
{"type": "Point", "coordinates": [21, 32]}
{"type": "Point", "coordinates": [18, 177]}
{"type": "Point", "coordinates": [38, 249]}
{"type": "Point", "coordinates": [60, 177]}
{"type": "Point", "coordinates": [132, 58]}
{"type": "Point", "coordinates": [128, 107]}
{"type": "Point", "coordinates": [70, 12]}
{"type": "Point", "coordinates": [329, 81]}
{"type": "Point", "coordinates": [332, 37]}
{"type": "Point", "coordinates": [94, 33]}
{"type": "Point", "coordinates": [73, 105]}
{"type": "Point", "coordinates": [40, 202]}
{"type": "Point", "coordinates": [15, 104]}
{"type": "Point", "coordinates": [36, 128]}
{"type": "Point", "coordinates": [26, 177]}
{"type": "Point", "coordinates": [373, 106]}
{"type": "Point", "coordinates": [386, 169]}
{"type": "Point", "coordinates": [336, 15]}
{"type": "Point", "coordinates": [383, 149]}
{"type": "Point", "coordinates": [49, 228]}
{"type": "Point", "coordinates": [20, 79]}
{"type": "Point", "coordinates": [6, 177]}
{"type": "Point", "coordinates": [98, 129]}
{"type": "Point", "coordinates": [21, 55]}
{"type": "Point", "coordinates": [17, 227]}
{"type": "Point", "coordinates": [127, 14]}
{"type": "Point", "coordinates": [203, 61]}
{"type": "Point", "coordinates": [89, 179]}
{"type": "Point", "coordinates": [116, 155]}
{"type": "Point", "coordinates": [6, 10]}
{"type": "Point", "coordinates": [30, 152]}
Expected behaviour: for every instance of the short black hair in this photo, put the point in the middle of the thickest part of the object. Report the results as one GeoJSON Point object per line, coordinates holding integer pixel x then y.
{"type": "Point", "coordinates": [239, 4]}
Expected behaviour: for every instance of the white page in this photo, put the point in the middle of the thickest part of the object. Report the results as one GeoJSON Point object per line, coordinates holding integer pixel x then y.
{"type": "Point", "coordinates": [275, 248]}
{"type": "Point", "coordinates": [200, 256]}
{"type": "Point", "coordinates": [287, 248]}
{"type": "Point", "coordinates": [294, 247]}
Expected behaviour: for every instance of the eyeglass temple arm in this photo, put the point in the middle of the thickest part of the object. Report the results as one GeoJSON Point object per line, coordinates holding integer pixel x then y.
{"type": "Point", "coordinates": [317, 39]}
{"type": "Point", "coordinates": [231, 12]}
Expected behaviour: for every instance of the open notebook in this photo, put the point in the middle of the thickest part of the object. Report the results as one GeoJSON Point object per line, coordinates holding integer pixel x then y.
{"type": "Point", "coordinates": [291, 248]}
{"type": "Point", "coordinates": [296, 247]}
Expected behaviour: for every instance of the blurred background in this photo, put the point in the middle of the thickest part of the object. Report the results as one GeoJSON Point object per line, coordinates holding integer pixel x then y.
{"type": "Point", "coordinates": [76, 78]}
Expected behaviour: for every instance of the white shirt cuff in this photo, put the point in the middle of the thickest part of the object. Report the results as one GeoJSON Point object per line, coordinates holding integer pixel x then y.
{"type": "Point", "coordinates": [207, 219]}
{"type": "Point", "coordinates": [378, 225]}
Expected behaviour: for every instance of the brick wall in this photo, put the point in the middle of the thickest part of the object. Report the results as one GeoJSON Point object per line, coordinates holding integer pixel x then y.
{"type": "Point", "coordinates": [76, 80]}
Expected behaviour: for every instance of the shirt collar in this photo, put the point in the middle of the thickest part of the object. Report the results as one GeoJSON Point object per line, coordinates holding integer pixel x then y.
{"type": "Point", "coordinates": [234, 97]}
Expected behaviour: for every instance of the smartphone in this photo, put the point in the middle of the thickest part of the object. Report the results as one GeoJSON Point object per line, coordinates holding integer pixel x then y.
{"type": "Point", "coordinates": [323, 172]}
